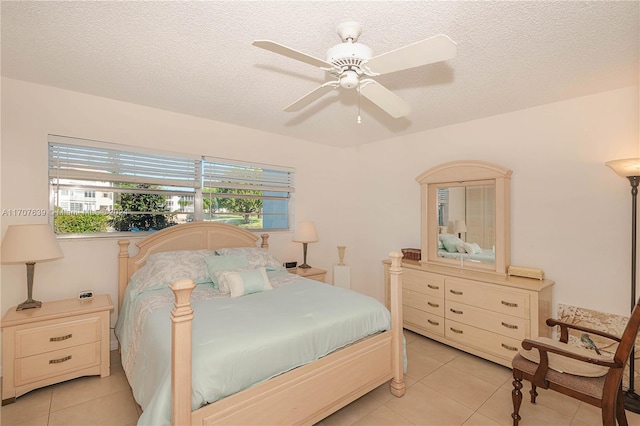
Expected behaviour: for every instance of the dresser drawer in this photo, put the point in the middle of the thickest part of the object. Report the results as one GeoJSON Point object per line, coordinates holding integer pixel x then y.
{"type": "Point", "coordinates": [42, 366]}
{"type": "Point", "coordinates": [45, 338]}
{"type": "Point", "coordinates": [506, 325]}
{"type": "Point", "coordinates": [423, 282]}
{"type": "Point", "coordinates": [496, 344]}
{"type": "Point", "coordinates": [424, 302]}
{"type": "Point", "coordinates": [424, 320]}
{"type": "Point", "coordinates": [477, 294]}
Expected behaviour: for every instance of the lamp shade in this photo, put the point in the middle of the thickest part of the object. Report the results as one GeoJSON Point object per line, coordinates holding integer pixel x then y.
{"type": "Point", "coordinates": [29, 243]}
{"type": "Point", "coordinates": [626, 167]}
{"type": "Point", "coordinates": [460, 226]}
{"type": "Point", "coordinates": [306, 233]}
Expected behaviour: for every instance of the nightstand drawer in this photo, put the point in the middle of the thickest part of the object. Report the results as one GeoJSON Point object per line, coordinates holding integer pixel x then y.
{"type": "Point", "coordinates": [54, 363]}
{"type": "Point", "coordinates": [37, 340]}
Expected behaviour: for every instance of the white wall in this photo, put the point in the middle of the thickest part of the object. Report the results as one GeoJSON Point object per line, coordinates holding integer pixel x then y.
{"type": "Point", "coordinates": [570, 213]}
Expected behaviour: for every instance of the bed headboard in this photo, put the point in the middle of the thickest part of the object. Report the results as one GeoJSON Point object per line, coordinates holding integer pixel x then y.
{"type": "Point", "coordinates": [188, 236]}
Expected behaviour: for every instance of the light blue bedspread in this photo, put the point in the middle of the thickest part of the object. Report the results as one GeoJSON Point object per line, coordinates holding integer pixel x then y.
{"type": "Point", "coordinates": [239, 342]}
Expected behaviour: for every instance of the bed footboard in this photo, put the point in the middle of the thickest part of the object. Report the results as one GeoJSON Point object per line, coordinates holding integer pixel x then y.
{"type": "Point", "coordinates": [285, 399]}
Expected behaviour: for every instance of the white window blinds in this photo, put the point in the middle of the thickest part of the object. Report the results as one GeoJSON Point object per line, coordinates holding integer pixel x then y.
{"type": "Point", "coordinates": [89, 163]}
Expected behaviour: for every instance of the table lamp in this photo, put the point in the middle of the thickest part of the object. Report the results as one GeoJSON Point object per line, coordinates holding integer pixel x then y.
{"type": "Point", "coordinates": [29, 244]}
{"type": "Point", "coordinates": [305, 233]}
{"type": "Point", "coordinates": [460, 227]}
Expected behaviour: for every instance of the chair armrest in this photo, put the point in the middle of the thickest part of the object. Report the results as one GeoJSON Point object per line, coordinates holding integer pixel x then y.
{"type": "Point", "coordinates": [565, 326]}
{"type": "Point", "coordinates": [540, 375]}
{"type": "Point", "coordinates": [543, 347]}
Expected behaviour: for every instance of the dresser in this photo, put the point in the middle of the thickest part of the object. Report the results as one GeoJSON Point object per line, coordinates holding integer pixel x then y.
{"type": "Point", "coordinates": [482, 313]}
{"type": "Point", "coordinates": [61, 340]}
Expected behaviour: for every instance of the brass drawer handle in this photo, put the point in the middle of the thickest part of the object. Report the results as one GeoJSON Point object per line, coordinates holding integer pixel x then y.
{"type": "Point", "coordinates": [456, 312]}
{"type": "Point", "coordinates": [455, 330]}
{"type": "Point", "coordinates": [433, 287]}
{"type": "Point", "coordinates": [457, 293]}
{"type": "Point", "coordinates": [59, 339]}
{"type": "Point", "coordinates": [511, 326]}
{"type": "Point", "coordinates": [509, 304]}
{"type": "Point", "coordinates": [433, 322]}
{"type": "Point", "coordinates": [509, 348]}
{"type": "Point", "coordinates": [433, 305]}
{"type": "Point", "coordinates": [60, 360]}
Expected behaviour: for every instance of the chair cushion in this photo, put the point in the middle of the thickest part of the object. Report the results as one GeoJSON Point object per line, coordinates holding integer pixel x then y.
{"type": "Point", "coordinates": [568, 365]}
{"type": "Point", "coordinates": [592, 386]}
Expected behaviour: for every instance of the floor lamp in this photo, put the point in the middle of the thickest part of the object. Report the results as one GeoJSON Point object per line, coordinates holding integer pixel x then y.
{"type": "Point", "coordinates": [630, 168]}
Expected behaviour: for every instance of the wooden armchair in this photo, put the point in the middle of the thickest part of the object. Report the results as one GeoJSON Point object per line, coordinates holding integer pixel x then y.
{"type": "Point", "coordinates": [603, 391]}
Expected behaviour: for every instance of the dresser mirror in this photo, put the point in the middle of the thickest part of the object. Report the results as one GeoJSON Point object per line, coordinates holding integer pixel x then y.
{"type": "Point", "coordinates": [465, 215]}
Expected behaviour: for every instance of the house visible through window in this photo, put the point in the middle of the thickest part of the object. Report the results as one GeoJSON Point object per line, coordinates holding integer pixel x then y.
{"type": "Point", "coordinates": [97, 188]}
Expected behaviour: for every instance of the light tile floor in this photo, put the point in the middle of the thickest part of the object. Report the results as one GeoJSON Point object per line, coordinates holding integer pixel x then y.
{"type": "Point", "coordinates": [444, 387]}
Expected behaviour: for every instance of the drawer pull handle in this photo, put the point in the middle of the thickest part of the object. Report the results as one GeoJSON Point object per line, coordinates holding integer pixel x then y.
{"type": "Point", "coordinates": [455, 330]}
{"type": "Point", "coordinates": [509, 348]}
{"type": "Point", "coordinates": [433, 322]}
{"type": "Point", "coordinates": [61, 338]}
{"type": "Point", "coordinates": [456, 312]}
{"type": "Point", "coordinates": [433, 305]}
{"type": "Point", "coordinates": [60, 360]}
{"type": "Point", "coordinates": [457, 293]}
{"type": "Point", "coordinates": [511, 326]}
{"type": "Point", "coordinates": [509, 304]}
{"type": "Point", "coordinates": [433, 287]}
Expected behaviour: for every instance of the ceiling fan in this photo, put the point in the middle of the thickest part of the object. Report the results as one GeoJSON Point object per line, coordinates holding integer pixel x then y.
{"type": "Point", "coordinates": [352, 63]}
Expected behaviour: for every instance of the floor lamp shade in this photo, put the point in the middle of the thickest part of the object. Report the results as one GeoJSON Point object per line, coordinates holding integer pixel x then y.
{"type": "Point", "coordinates": [29, 244]}
{"type": "Point", "coordinates": [630, 168]}
{"type": "Point", "coordinates": [305, 233]}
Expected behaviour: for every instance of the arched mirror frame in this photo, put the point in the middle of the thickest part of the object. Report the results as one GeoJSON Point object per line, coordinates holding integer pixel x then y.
{"type": "Point", "coordinates": [459, 172]}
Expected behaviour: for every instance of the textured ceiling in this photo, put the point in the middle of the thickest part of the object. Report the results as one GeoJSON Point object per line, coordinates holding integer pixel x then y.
{"type": "Point", "coordinates": [196, 58]}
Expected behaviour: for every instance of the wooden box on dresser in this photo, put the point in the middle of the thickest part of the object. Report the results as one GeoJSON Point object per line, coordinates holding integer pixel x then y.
{"type": "Point", "coordinates": [482, 313]}
{"type": "Point", "coordinates": [61, 340]}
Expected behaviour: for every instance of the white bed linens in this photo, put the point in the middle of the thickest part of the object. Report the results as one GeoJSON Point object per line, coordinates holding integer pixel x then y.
{"type": "Point", "coordinates": [239, 342]}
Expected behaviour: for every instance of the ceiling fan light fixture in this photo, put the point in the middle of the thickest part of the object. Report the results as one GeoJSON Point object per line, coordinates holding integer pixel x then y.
{"type": "Point", "coordinates": [349, 79]}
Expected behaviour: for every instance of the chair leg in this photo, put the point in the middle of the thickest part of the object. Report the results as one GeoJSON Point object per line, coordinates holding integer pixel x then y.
{"type": "Point", "coordinates": [533, 393]}
{"type": "Point", "coordinates": [516, 396]}
{"type": "Point", "coordinates": [620, 413]}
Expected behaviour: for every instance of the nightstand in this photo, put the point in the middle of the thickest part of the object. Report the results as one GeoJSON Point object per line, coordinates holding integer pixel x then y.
{"type": "Point", "coordinates": [61, 340]}
{"type": "Point", "coordinates": [312, 273]}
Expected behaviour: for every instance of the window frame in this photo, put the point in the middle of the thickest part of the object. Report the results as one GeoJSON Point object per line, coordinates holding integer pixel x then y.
{"type": "Point", "coordinates": [196, 195]}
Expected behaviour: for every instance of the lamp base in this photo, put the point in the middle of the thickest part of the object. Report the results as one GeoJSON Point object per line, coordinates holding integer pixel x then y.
{"type": "Point", "coordinates": [632, 401]}
{"type": "Point", "coordinates": [304, 266]}
{"type": "Point", "coordinates": [29, 304]}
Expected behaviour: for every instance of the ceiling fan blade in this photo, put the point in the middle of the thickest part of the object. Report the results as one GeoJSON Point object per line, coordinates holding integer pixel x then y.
{"type": "Point", "coordinates": [291, 53]}
{"type": "Point", "coordinates": [434, 49]}
{"type": "Point", "coordinates": [312, 96]}
{"type": "Point", "coordinates": [391, 103]}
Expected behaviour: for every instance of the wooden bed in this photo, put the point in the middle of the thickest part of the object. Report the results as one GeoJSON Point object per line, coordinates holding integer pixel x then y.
{"type": "Point", "coordinates": [304, 395]}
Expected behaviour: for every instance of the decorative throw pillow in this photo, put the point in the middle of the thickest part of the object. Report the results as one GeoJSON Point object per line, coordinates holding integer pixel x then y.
{"type": "Point", "coordinates": [461, 248]}
{"type": "Point", "coordinates": [567, 365]}
{"type": "Point", "coordinates": [472, 248]}
{"type": "Point", "coordinates": [247, 282]}
{"type": "Point", "coordinates": [256, 256]}
{"type": "Point", "coordinates": [163, 268]}
{"type": "Point", "coordinates": [229, 262]}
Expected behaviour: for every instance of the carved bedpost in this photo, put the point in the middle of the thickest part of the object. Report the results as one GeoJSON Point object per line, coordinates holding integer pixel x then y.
{"type": "Point", "coordinates": [397, 360]}
{"type": "Point", "coordinates": [181, 321]}
{"type": "Point", "coordinates": [123, 265]}
{"type": "Point", "coordinates": [265, 241]}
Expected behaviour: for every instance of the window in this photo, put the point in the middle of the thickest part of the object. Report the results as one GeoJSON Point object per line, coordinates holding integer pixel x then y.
{"type": "Point", "coordinates": [146, 191]}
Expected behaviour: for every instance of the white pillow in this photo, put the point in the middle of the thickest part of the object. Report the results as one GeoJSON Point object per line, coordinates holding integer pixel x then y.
{"type": "Point", "coordinates": [472, 248]}
{"type": "Point", "coordinates": [461, 247]}
{"type": "Point", "coordinates": [246, 282]}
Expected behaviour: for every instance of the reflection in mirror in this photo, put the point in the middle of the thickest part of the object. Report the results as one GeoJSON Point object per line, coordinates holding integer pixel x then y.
{"type": "Point", "coordinates": [466, 222]}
